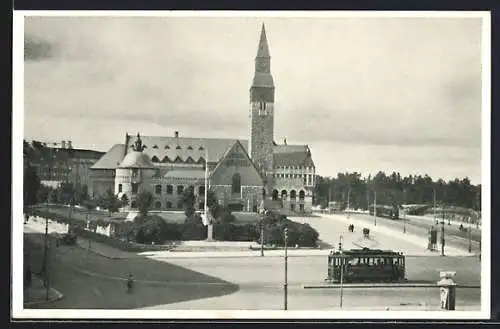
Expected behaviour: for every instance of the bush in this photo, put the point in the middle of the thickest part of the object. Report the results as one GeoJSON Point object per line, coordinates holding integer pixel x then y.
{"type": "Point", "coordinates": [150, 229]}
{"type": "Point", "coordinates": [232, 232]}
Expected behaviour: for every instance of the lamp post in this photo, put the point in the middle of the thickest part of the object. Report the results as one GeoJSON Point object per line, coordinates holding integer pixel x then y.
{"type": "Point", "coordinates": [205, 206]}
{"type": "Point", "coordinates": [285, 286]}
{"type": "Point", "coordinates": [442, 236]}
{"type": "Point", "coordinates": [348, 201]}
{"type": "Point", "coordinates": [341, 271]}
{"type": "Point", "coordinates": [404, 211]}
{"type": "Point", "coordinates": [264, 213]}
{"type": "Point", "coordinates": [434, 208]}
{"type": "Point", "coordinates": [470, 237]}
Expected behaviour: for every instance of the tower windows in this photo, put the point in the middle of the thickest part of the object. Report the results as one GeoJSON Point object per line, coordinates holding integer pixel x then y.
{"type": "Point", "coordinates": [263, 109]}
{"type": "Point", "coordinates": [170, 189]}
{"type": "Point", "coordinates": [158, 189]}
{"type": "Point", "coordinates": [120, 188]}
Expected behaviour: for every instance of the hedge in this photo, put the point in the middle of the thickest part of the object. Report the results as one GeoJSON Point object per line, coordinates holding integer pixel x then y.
{"type": "Point", "coordinates": [232, 232]}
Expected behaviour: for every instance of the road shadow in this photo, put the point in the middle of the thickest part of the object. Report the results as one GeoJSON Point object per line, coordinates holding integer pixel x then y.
{"type": "Point", "coordinates": [91, 281]}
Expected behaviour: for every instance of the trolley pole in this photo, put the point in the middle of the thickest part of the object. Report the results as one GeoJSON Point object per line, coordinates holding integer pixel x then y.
{"type": "Point", "coordinates": [285, 286]}
{"type": "Point", "coordinates": [45, 252]}
{"type": "Point", "coordinates": [348, 201]}
{"type": "Point", "coordinates": [341, 272]}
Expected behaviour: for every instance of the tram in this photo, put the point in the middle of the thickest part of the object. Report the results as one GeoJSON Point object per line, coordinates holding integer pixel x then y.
{"type": "Point", "coordinates": [366, 265]}
{"type": "Point", "coordinates": [391, 212]}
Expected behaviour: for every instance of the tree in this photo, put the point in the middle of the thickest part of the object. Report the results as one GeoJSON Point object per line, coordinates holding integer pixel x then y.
{"type": "Point", "coordinates": [144, 202]}
{"type": "Point", "coordinates": [124, 200]}
{"type": "Point", "coordinates": [66, 193]}
{"type": "Point", "coordinates": [81, 194]}
{"type": "Point", "coordinates": [31, 186]}
{"type": "Point", "coordinates": [213, 204]}
{"type": "Point", "coordinates": [188, 201]}
{"type": "Point", "coordinates": [110, 202]}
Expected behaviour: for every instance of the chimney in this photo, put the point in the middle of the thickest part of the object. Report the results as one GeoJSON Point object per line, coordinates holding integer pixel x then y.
{"type": "Point", "coordinates": [176, 134]}
{"type": "Point", "coordinates": [284, 141]}
{"type": "Point", "coordinates": [69, 145]}
{"type": "Point", "coordinates": [63, 144]}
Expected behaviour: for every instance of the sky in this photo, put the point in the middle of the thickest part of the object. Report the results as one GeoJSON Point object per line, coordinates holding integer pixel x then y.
{"type": "Point", "coordinates": [366, 94]}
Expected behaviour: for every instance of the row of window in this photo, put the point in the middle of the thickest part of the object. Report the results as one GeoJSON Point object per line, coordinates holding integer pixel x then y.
{"type": "Point", "coordinates": [294, 168]}
{"type": "Point", "coordinates": [178, 147]}
{"type": "Point", "coordinates": [168, 205]}
{"type": "Point", "coordinates": [158, 189]}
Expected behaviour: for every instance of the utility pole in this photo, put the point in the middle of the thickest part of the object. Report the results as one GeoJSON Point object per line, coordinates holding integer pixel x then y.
{"type": "Point", "coordinates": [375, 209]}
{"type": "Point", "coordinates": [208, 219]}
{"type": "Point", "coordinates": [434, 208]}
{"type": "Point", "coordinates": [342, 260]}
{"type": "Point", "coordinates": [442, 236]}
{"type": "Point", "coordinates": [470, 237]}
{"type": "Point", "coordinates": [404, 211]}
{"type": "Point", "coordinates": [263, 214]}
{"type": "Point", "coordinates": [348, 201]}
{"type": "Point", "coordinates": [285, 286]}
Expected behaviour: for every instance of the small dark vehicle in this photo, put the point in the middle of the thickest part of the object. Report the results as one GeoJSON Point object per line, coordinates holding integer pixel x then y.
{"type": "Point", "coordinates": [68, 239]}
{"type": "Point", "coordinates": [366, 232]}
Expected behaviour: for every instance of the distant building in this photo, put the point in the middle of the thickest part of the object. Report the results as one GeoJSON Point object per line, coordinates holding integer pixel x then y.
{"type": "Point", "coordinates": [242, 173]}
{"type": "Point", "coordinates": [56, 163]}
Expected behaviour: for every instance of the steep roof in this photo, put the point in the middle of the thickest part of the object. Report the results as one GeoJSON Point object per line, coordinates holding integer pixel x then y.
{"type": "Point", "coordinates": [185, 147]}
{"type": "Point", "coordinates": [292, 155]}
{"type": "Point", "coordinates": [111, 159]}
{"type": "Point", "coordinates": [263, 50]}
{"type": "Point", "coordinates": [137, 159]}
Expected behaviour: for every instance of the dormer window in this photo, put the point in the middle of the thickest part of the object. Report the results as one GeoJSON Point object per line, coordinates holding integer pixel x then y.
{"type": "Point", "coordinates": [178, 147]}
{"type": "Point", "coordinates": [155, 159]}
{"type": "Point", "coordinates": [190, 148]}
{"type": "Point", "coordinates": [167, 147]}
{"type": "Point", "coordinates": [200, 148]}
{"type": "Point", "coordinates": [155, 146]}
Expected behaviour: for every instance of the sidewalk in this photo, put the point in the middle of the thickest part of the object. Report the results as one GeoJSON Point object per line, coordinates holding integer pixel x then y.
{"type": "Point", "coordinates": [36, 294]}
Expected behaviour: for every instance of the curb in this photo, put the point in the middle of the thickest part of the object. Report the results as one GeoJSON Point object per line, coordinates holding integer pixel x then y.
{"type": "Point", "coordinates": [58, 296]}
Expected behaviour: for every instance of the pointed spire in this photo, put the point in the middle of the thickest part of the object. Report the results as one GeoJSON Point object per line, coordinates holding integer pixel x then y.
{"type": "Point", "coordinates": [263, 50]}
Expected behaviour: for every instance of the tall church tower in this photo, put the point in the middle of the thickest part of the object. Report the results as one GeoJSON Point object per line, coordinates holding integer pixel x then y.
{"type": "Point", "coordinates": [262, 109]}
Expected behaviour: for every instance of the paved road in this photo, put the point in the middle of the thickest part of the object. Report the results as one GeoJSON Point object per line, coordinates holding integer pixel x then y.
{"type": "Point", "coordinates": [260, 282]}
{"type": "Point", "coordinates": [420, 226]}
{"type": "Point", "coordinates": [89, 281]}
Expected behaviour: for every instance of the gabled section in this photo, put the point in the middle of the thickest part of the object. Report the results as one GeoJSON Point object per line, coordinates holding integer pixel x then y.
{"type": "Point", "coordinates": [178, 160]}
{"type": "Point", "coordinates": [201, 160]}
{"type": "Point", "coordinates": [165, 159]}
{"type": "Point", "coordinates": [236, 161]}
{"type": "Point", "coordinates": [189, 160]}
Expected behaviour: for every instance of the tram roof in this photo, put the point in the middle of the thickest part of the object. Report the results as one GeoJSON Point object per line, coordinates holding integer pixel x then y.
{"type": "Point", "coordinates": [369, 252]}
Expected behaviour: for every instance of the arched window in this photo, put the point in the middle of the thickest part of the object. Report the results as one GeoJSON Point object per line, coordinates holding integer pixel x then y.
{"type": "Point", "coordinates": [236, 184]}
{"type": "Point", "coordinates": [275, 195]}
{"type": "Point", "coordinates": [293, 194]}
{"type": "Point", "coordinates": [302, 195]}
{"type": "Point", "coordinates": [158, 205]}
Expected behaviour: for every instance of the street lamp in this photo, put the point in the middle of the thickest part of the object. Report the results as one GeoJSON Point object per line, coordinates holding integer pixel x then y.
{"type": "Point", "coordinates": [404, 211]}
{"type": "Point", "coordinates": [434, 208]}
{"type": "Point", "coordinates": [348, 201]}
{"type": "Point", "coordinates": [470, 237]}
{"type": "Point", "coordinates": [285, 286]}
{"type": "Point", "coordinates": [205, 206]}
{"type": "Point", "coordinates": [442, 235]}
{"type": "Point", "coordinates": [341, 271]}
